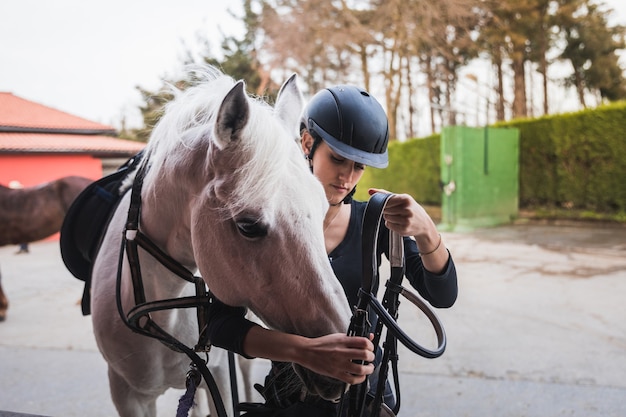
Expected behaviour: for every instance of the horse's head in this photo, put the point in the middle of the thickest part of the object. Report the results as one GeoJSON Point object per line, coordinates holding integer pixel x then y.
{"type": "Point", "coordinates": [255, 215]}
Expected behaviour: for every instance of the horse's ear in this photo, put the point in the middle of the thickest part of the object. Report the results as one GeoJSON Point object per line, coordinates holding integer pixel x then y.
{"type": "Point", "coordinates": [232, 116]}
{"type": "Point", "coordinates": [289, 104]}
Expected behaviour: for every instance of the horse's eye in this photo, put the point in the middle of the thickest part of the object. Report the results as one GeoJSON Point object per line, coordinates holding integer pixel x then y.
{"type": "Point", "coordinates": [251, 228]}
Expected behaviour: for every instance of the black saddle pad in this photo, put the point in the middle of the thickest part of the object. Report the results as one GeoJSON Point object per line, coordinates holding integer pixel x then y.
{"type": "Point", "coordinates": [85, 222]}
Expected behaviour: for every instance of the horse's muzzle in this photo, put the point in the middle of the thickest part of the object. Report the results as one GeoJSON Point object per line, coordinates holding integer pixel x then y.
{"type": "Point", "coordinates": [325, 387]}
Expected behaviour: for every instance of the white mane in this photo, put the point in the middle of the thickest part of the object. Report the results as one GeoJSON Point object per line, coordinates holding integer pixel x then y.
{"type": "Point", "coordinates": [188, 122]}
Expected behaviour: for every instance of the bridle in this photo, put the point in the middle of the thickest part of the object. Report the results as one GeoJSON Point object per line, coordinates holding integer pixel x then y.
{"type": "Point", "coordinates": [138, 317]}
{"type": "Point", "coordinates": [387, 313]}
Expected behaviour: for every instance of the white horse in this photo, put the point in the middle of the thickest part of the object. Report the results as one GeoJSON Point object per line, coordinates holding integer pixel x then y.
{"type": "Point", "coordinates": [226, 193]}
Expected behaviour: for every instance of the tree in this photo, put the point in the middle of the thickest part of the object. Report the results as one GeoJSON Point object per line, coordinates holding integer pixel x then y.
{"type": "Point", "coordinates": [446, 54]}
{"type": "Point", "coordinates": [491, 42]}
{"type": "Point", "coordinates": [241, 58]}
{"type": "Point", "coordinates": [151, 111]}
{"type": "Point", "coordinates": [239, 61]}
{"type": "Point", "coordinates": [322, 41]}
{"type": "Point", "coordinates": [540, 42]}
{"type": "Point", "coordinates": [591, 49]}
{"type": "Point", "coordinates": [325, 40]}
{"type": "Point", "coordinates": [413, 48]}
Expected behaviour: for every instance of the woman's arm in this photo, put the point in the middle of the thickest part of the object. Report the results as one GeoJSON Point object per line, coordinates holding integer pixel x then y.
{"type": "Point", "coordinates": [332, 355]}
{"type": "Point", "coordinates": [406, 217]}
{"type": "Point", "coordinates": [429, 265]}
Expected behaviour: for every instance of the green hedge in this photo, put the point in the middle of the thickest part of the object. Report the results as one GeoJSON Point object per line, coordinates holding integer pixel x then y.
{"type": "Point", "coordinates": [413, 169]}
{"type": "Point", "coordinates": [574, 160]}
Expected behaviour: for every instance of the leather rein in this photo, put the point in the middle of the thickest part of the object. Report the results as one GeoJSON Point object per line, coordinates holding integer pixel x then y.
{"type": "Point", "coordinates": [387, 313]}
{"type": "Point", "coordinates": [138, 318]}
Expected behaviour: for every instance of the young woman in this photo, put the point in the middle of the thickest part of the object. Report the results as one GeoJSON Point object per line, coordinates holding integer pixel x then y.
{"type": "Point", "coordinates": [343, 131]}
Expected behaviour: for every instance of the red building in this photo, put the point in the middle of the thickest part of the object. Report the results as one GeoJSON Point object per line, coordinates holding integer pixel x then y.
{"type": "Point", "coordinates": [39, 144]}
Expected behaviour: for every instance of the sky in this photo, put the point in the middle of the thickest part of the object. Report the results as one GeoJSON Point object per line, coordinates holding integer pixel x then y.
{"type": "Point", "coordinates": [87, 58]}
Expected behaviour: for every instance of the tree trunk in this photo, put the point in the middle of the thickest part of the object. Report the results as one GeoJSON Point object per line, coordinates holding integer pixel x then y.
{"type": "Point", "coordinates": [450, 89]}
{"type": "Point", "coordinates": [519, 85]}
{"type": "Point", "coordinates": [580, 88]}
{"type": "Point", "coordinates": [543, 69]}
{"type": "Point", "coordinates": [497, 63]}
{"type": "Point", "coordinates": [365, 67]}
{"type": "Point", "coordinates": [410, 133]}
{"type": "Point", "coordinates": [391, 90]}
{"type": "Point", "coordinates": [431, 92]}
{"type": "Point", "coordinates": [395, 102]}
{"type": "Point", "coordinates": [265, 80]}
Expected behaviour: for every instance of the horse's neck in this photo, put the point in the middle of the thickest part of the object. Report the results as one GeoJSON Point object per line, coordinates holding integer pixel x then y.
{"type": "Point", "coordinates": [158, 281]}
{"type": "Point", "coordinates": [159, 284]}
{"type": "Point", "coordinates": [166, 222]}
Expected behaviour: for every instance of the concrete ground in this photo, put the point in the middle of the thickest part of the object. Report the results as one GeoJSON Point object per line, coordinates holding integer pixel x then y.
{"type": "Point", "coordinates": [539, 329]}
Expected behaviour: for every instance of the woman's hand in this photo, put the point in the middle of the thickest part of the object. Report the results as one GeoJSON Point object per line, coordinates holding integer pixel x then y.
{"type": "Point", "coordinates": [407, 217]}
{"type": "Point", "coordinates": [339, 356]}
{"type": "Point", "coordinates": [333, 355]}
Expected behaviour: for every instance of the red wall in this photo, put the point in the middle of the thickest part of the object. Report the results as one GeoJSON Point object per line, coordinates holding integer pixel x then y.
{"type": "Point", "coordinates": [35, 169]}
{"type": "Point", "coordinates": [31, 170]}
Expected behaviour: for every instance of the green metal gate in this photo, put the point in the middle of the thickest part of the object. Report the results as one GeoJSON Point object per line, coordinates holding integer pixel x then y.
{"type": "Point", "coordinates": [479, 171]}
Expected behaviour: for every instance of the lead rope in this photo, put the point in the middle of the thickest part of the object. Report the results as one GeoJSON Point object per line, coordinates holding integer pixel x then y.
{"type": "Point", "coordinates": [192, 380]}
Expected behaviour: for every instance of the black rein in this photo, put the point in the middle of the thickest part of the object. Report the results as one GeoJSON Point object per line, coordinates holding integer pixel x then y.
{"type": "Point", "coordinates": [387, 312]}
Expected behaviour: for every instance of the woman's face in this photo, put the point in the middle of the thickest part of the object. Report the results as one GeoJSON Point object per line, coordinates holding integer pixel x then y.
{"type": "Point", "coordinates": [337, 174]}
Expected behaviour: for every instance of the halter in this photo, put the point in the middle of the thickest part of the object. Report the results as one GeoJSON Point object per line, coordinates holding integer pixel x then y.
{"type": "Point", "coordinates": [387, 312]}
{"type": "Point", "coordinates": [138, 318]}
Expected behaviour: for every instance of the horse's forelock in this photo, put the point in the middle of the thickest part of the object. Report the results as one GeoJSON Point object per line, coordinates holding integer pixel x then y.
{"type": "Point", "coordinates": [271, 155]}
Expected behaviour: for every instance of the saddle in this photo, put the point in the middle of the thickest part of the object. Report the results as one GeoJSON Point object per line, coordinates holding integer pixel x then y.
{"type": "Point", "coordinates": [85, 222]}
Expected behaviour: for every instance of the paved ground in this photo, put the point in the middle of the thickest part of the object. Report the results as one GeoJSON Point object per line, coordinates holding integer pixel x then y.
{"type": "Point", "coordinates": [539, 329]}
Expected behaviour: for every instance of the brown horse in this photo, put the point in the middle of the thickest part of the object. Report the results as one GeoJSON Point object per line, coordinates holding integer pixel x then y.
{"type": "Point", "coordinates": [34, 213]}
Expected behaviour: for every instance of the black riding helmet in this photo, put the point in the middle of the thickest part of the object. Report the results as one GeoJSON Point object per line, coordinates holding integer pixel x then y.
{"type": "Point", "coordinates": [351, 122]}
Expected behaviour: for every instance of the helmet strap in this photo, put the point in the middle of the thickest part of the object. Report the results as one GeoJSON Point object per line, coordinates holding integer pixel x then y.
{"type": "Point", "coordinates": [316, 142]}
{"type": "Point", "coordinates": [309, 156]}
